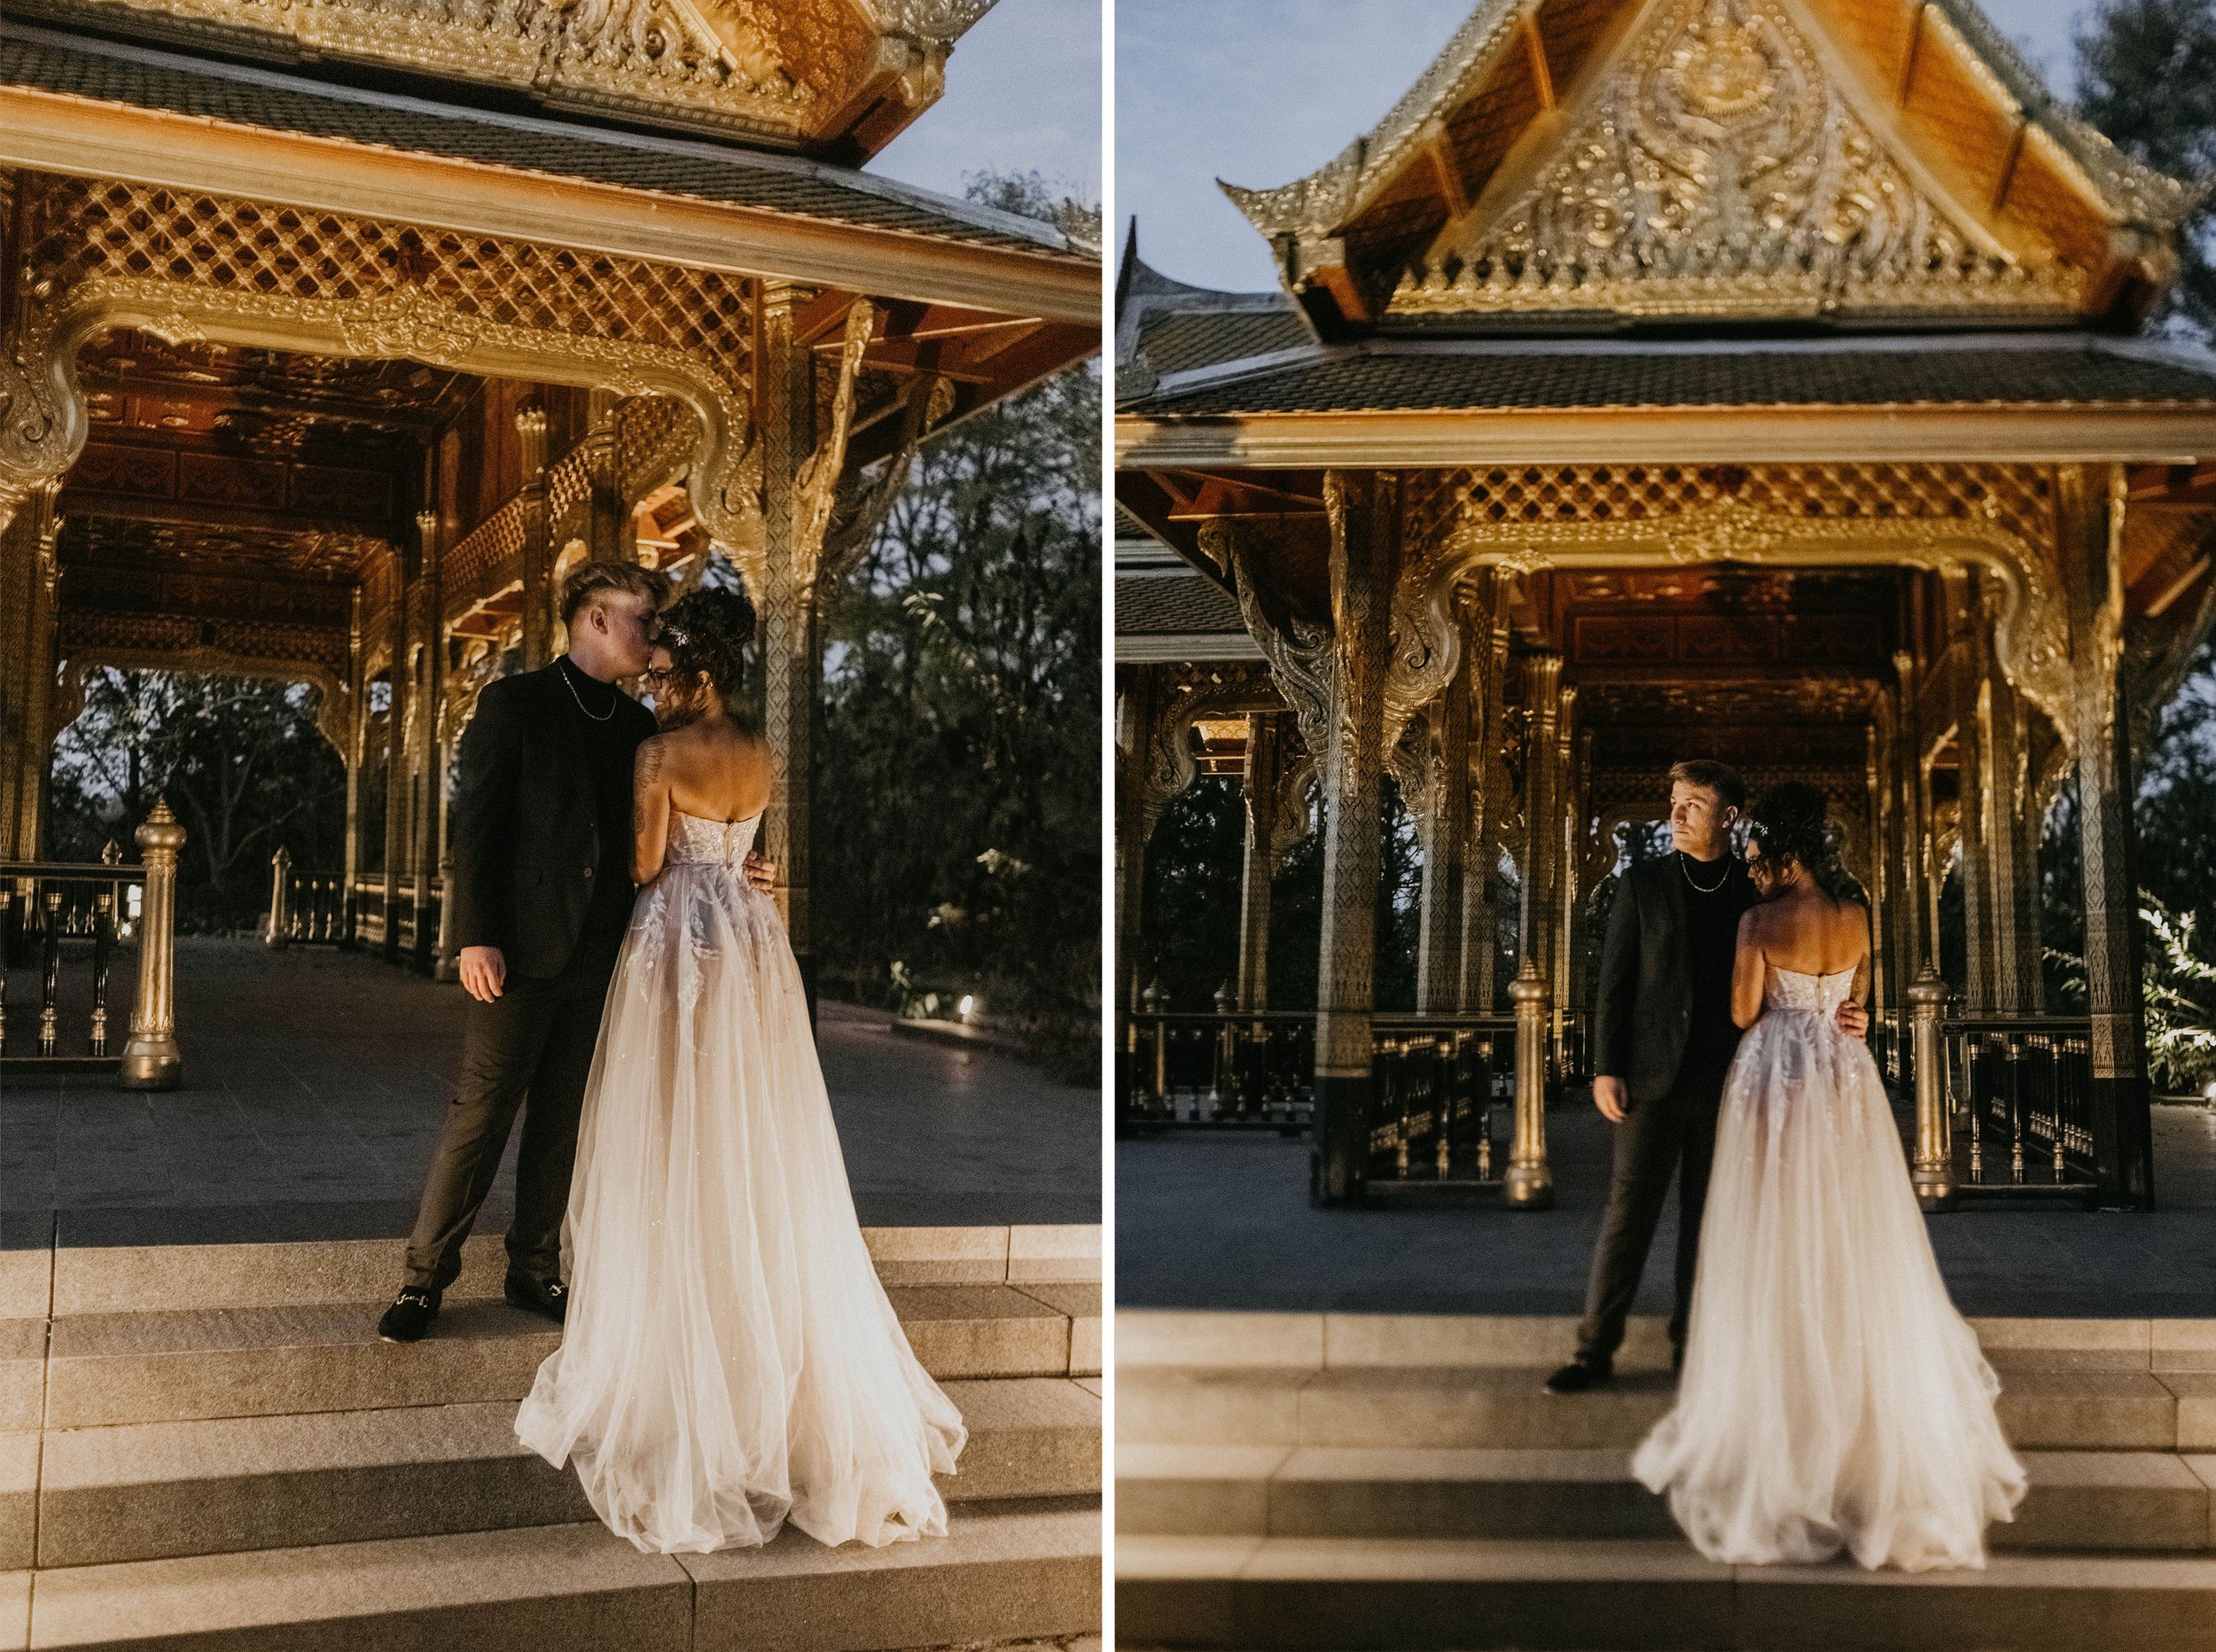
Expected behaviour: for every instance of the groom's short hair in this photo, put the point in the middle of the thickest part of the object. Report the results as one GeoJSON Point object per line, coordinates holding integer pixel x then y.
{"type": "Point", "coordinates": [595, 577]}
{"type": "Point", "coordinates": [1720, 778]}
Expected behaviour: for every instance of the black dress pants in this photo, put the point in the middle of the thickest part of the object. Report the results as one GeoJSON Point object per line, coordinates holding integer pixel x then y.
{"type": "Point", "coordinates": [530, 1048]}
{"type": "Point", "coordinates": [1676, 1132]}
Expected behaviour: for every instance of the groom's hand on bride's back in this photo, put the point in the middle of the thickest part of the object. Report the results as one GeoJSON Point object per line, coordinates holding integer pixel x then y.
{"type": "Point", "coordinates": [1610, 1096]}
{"type": "Point", "coordinates": [1854, 1019]}
{"type": "Point", "coordinates": [761, 873]}
{"type": "Point", "coordinates": [484, 972]}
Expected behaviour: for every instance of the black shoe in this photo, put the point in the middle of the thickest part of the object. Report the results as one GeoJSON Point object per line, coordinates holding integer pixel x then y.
{"type": "Point", "coordinates": [548, 1297]}
{"type": "Point", "coordinates": [1581, 1373]}
{"type": "Point", "coordinates": [410, 1314]}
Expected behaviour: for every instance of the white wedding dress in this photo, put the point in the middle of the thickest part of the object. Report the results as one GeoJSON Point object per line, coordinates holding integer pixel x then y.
{"type": "Point", "coordinates": [1832, 1398]}
{"type": "Point", "coordinates": [729, 1359]}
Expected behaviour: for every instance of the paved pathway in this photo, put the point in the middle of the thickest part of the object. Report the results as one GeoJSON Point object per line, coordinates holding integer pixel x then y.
{"type": "Point", "coordinates": [1223, 1221]}
{"type": "Point", "coordinates": [315, 1079]}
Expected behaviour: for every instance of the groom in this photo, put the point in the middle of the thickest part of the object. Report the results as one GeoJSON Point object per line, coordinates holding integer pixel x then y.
{"type": "Point", "coordinates": [1664, 1043]}
{"type": "Point", "coordinates": [542, 840]}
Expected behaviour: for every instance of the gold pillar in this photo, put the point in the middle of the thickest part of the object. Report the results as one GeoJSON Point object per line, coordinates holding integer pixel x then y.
{"type": "Point", "coordinates": [398, 797]}
{"type": "Point", "coordinates": [1365, 512]}
{"type": "Point", "coordinates": [538, 553]}
{"type": "Point", "coordinates": [1879, 870]}
{"type": "Point", "coordinates": [1265, 774]}
{"type": "Point", "coordinates": [2011, 847]}
{"type": "Point", "coordinates": [1446, 846]}
{"type": "Point", "coordinates": [151, 1060]}
{"type": "Point", "coordinates": [1971, 806]}
{"type": "Point", "coordinates": [1529, 1184]}
{"type": "Point", "coordinates": [2090, 501]}
{"type": "Point", "coordinates": [30, 576]}
{"type": "Point", "coordinates": [611, 536]}
{"type": "Point", "coordinates": [1135, 713]}
{"type": "Point", "coordinates": [358, 754]}
{"type": "Point", "coordinates": [1481, 939]}
{"type": "Point", "coordinates": [1542, 681]}
{"type": "Point", "coordinates": [792, 666]}
{"type": "Point", "coordinates": [428, 685]}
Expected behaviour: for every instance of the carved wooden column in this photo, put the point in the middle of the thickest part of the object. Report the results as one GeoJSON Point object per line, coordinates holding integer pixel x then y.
{"type": "Point", "coordinates": [430, 684]}
{"type": "Point", "coordinates": [2090, 501]}
{"type": "Point", "coordinates": [1534, 930]}
{"type": "Point", "coordinates": [1913, 946]}
{"type": "Point", "coordinates": [1576, 748]}
{"type": "Point", "coordinates": [1365, 512]}
{"type": "Point", "coordinates": [610, 537]}
{"type": "Point", "coordinates": [399, 798]}
{"type": "Point", "coordinates": [1265, 775]}
{"type": "Point", "coordinates": [1136, 713]}
{"type": "Point", "coordinates": [358, 754]}
{"type": "Point", "coordinates": [2011, 847]}
{"type": "Point", "coordinates": [1969, 648]}
{"type": "Point", "coordinates": [30, 576]}
{"type": "Point", "coordinates": [1480, 942]}
{"type": "Point", "coordinates": [792, 666]}
{"type": "Point", "coordinates": [1439, 973]}
{"type": "Point", "coordinates": [1879, 816]}
{"type": "Point", "coordinates": [538, 551]}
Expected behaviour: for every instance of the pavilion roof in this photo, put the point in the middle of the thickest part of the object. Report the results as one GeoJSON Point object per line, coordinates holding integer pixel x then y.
{"type": "Point", "coordinates": [1577, 162]}
{"type": "Point", "coordinates": [1973, 370]}
{"type": "Point", "coordinates": [837, 79]}
{"type": "Point", "coordinates": [88, 70]}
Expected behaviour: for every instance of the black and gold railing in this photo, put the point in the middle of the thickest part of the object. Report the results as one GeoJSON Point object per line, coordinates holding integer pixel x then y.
{"type": "Point", "coordinates": [62, 926]}
{"type": "Point", "coordinates": [1221, 1070]}
{"type": "Point", "coordinates": [305, 909]}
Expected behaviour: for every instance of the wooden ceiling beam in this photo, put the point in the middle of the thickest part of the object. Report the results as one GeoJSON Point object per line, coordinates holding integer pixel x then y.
{"type": "Point", "coordinates": [1535, 52]}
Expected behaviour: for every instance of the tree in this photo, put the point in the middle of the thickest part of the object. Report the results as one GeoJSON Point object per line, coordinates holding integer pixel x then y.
{"type": "Point", "coordinates": [959, 798]}
{"type": "Point", "coordinates": [2147, 78]}
{"type": "Point", "coordinates": [240, 761]}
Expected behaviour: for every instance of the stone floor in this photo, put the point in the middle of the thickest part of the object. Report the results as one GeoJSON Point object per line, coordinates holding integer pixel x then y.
{"type": "Point", "coordinates": [1207, 1221]}
{"type": "Point", "coordinates": [315, 1080]}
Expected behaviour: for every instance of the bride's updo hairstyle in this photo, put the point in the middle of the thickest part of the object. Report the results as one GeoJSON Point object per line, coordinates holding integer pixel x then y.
{"type": "Point", "coordinates": [1792, 822]}
{"type": "Point", "coordinates": [707, 630]}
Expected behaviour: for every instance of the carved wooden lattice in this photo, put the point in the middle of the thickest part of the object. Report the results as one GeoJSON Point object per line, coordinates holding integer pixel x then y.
{"type": "Point", "coordinates": [2018, 497]}
{"type": "Point", "coordinates": [82, 229]}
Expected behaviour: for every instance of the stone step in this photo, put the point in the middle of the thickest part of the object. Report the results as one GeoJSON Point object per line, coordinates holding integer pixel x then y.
{"type": "Point", "coordinates": [2138, 1502]}
{"type": "Point", "coordinates": [1004, 1571]}
{"type": "Point", "coordinates": [154, 1489]}
{"type": "Point", "coordinates": [122, 1279]}
{"type": "Point", "coordinates": [1616, 1596]}
{"type": "Point", "coordinates": [142, 1367]}
{"type": "Point", "coordinates": [1506, 1408]}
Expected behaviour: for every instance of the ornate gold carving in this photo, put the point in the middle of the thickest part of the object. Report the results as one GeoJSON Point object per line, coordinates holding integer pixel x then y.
{"type": "Point", "coordinates": [1720, 172]}
{"type": "Point", "coordinates": [1299, 652]}
{"type": "Point", "coordinates": [818, 481]}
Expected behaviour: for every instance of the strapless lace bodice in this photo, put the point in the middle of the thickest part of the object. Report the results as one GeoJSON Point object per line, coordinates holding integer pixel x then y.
{"type": "Point", "coordinates": [1790, 989]}
{"type": "Point", "coordinates": [695, 842]}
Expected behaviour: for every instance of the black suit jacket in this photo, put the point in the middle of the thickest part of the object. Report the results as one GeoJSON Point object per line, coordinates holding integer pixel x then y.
{"type": "Point", "coordinates": [1645, 1006]}
{"type": "Point", "coordinates": [526, 830]}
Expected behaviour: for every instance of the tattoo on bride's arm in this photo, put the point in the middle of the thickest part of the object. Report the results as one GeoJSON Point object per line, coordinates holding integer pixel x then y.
{"type": "Point", "coordinates": [650, 765]}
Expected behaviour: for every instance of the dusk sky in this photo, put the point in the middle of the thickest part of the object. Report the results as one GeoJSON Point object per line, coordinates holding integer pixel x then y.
{"type": "Point", "coordinates": [1023, 95]}
{"type": "Point", "coordinates": [1261, 92]}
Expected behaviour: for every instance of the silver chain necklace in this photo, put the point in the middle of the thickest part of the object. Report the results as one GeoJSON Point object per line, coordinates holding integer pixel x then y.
{"type": "Point", "coordinates": [1700, 889]}
{"type": "Point", "coordinates": [564, 669]}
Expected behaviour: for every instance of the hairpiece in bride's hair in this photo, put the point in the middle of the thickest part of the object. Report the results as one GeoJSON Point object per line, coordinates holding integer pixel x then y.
{"type": "Point", "coordinates": [707, 630]}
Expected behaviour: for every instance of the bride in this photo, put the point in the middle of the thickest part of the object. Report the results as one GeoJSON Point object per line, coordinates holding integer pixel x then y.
{"type": "Point", "coordinates": [1832, 1398]}
{"type": "Point", "coordinates": [729, 1359]}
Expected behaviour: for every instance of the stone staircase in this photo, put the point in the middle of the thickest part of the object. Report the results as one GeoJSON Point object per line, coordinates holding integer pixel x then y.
{"type": "Point", "coordinates": [208, 1445]}
{"type": "Point", "coordinates": [1369, 1480]}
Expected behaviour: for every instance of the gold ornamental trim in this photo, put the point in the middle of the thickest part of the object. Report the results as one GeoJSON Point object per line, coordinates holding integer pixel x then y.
{"type": "Point", "coordinates": [1803, 434]}
{"type": "Point", "coordinates": [84, 138]}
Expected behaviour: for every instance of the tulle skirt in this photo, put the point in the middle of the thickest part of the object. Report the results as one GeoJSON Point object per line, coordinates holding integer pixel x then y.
{"type": "Point", "coordinates": [1832, 1398]}
{"type": "Point", "coordinates": [729, 1359]}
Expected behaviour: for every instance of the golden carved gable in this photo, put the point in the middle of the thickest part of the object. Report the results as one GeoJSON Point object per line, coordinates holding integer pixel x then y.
{"type": "Point", "coordinates": [813, 75]}
{"type": "Point", "coordinates": [1718, 166]}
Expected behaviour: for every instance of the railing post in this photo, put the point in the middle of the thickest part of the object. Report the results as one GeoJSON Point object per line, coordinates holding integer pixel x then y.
{"type": "Point", "coordinates": [1934, 1176]}
{"type": "Point", "coordinates": [280, 882]}
{"type": "Point", "coordinates": [1529, 1183]}
{"type": "Point", "coordinates": [151, 1060]}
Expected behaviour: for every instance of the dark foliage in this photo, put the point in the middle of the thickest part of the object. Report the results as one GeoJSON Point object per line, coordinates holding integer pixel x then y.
{"type": "Point", "coordinates": [958, 802]}
{"type": "Point", "coordinates": [240, 761]}
{"type": "Point", "coordinates": [2147, 78]}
